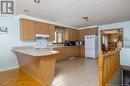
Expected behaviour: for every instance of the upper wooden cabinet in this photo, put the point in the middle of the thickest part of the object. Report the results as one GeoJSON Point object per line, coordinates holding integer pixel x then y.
{"type": "Point", "coordinates": [42, 28]}
{"type": "Point", "coordinates": [30, 28]}
{"type": "Point", "coordinates": [71, 35]}
{"type": "Point", "coordinates": [27, 29]}
{"type": "Point", "coordinates": [39, 28]}
{"type": "Point", "coordinates": [52, 33]}
{"type": "Point", "coordinates": [89, 31]}
{"type": "Point", "coordinates": [46, 28]}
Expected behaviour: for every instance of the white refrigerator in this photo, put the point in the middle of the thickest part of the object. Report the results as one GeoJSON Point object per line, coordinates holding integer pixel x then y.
{"type": "Point", "coordinates": [91, 46]}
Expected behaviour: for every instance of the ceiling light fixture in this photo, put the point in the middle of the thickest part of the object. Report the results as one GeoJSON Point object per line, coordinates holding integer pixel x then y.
{"type": "Point", "coordinates": [85, 18]}
{"type": "Point", "coordinates": [37, 1]}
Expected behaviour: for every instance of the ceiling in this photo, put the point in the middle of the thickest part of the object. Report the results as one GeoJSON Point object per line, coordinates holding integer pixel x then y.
{"type": "Point", "coordinates": [70, 12]}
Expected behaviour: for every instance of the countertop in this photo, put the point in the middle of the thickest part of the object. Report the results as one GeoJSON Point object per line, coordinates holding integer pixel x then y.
{"type": "Point", "coordinates": [30, 50]}
{"type": "Point", "coordinates": [66, 46]}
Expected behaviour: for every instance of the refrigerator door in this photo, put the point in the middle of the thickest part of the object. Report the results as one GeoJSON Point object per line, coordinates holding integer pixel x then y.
{"type": "Point", "coordinates": [90, 53]}
{"type": "Point", "coordinates": [90, 46]}
{"type": "Point", "coordinates": [89, 41]}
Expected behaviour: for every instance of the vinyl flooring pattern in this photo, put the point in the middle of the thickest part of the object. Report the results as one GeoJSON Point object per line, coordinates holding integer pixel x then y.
{"type": "Point", "coordinates": [78, 72]}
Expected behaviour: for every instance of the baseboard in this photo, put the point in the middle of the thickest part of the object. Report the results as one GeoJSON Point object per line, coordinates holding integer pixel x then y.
{"type": "Point", "coordinates": [9, 68]}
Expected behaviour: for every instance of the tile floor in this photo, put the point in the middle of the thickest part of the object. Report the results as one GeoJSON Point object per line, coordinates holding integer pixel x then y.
{"type": "Point", "coordinates": [78, 72]}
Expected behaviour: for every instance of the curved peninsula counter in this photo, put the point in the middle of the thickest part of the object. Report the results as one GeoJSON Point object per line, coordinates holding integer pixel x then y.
{"type": "Point", "coordinates": [38, 63]}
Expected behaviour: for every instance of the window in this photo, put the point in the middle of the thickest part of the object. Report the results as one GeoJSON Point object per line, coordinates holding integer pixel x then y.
{"type": "Point", "coordinates": [59, 34]}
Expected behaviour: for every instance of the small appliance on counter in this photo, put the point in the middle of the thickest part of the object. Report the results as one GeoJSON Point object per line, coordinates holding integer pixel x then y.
{"type": "Point", "coordinates": [69, 43]}
{"type": "Point", "coordinates": [42, 42]}
{"type": "Point", "coordinates": [74, 43]}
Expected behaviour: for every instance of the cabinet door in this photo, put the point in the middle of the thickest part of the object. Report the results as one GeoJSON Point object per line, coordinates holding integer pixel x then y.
{"type": "Point", "coordinates": [76, 51]}
{"type": "Point", "coordinates": [39, 28]}
{"type": "Point", "coordinates": [71, 35]}
{"type": "Point", "coordinates": [81, 35]}
{"type": "Point", "coordinates": [27, 29]}
{"type": "Point", "coordinates": [46, 28]}
{"type": "Point", "coordinates": [82, 51]}
{"type": "Point", "coordinates": [52, 33]}
{"type": "Point", "coordinates": [66, 34]}
{"type": "Point", "coordinates": [76, 35]}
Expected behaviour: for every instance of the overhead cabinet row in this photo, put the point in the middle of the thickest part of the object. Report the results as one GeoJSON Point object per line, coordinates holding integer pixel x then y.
{"type": "Point", "coordinates": [30, 28]}
{"type": "Point", "coordinates": [71, 35]}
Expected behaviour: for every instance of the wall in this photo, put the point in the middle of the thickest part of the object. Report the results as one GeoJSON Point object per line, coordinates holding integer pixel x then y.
{"type": "Point", "coordinates": [7, 57]}
{"type": "Point", "coordinates": [126, 29]}
{"type": "Point", "coordinates": [125, 57]}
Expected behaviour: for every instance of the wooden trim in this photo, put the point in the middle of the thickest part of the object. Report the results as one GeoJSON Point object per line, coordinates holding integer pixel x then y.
{"type": "Point", "coordinates": [109, 64]}
{"type": "Point", "coordinates": [101, 66]}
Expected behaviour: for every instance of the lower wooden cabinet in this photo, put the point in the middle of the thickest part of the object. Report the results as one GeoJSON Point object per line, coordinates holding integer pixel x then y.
{"type": "Point", "coordinates": [67, 52]}
{"type": "Point", "coordinates": [82, 51]}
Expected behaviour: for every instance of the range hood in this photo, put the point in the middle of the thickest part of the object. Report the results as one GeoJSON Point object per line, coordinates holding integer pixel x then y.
{"type": "Point", "coordinates": [42, 35]}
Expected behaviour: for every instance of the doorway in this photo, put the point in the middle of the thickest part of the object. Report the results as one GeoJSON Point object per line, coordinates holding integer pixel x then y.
{"type": "Point", "coordinates": [111, 39]}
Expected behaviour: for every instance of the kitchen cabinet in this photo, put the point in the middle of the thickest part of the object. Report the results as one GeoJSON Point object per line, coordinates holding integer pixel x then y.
{"type": "Point", "coordinates": [71, 35]}
{"type": "Point", "coordinates": [82, 51]}
{"type": "Point", "coordinates": [88, 31]}
{"type": "Point", "coordinates": [67, 52]}
{"type": "Point", "coordinates": [46, 28]}
{"type": "Point", "coordinates": [27, 30]}
{"type": "Point", "coordinates": [52, 33]}
{"type": "Point", "coordinates": [61, 55]}
{"type": "Point", "coordinates": [42, 28]}
{"type": "Point", "coordinates": [39, 28]}
{"type": "Point", "coordinates": [30, 28]}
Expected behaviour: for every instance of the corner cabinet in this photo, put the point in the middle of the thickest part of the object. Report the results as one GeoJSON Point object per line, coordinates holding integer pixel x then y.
{"type": "Point", "coordinates": [88, 31]}
{"type": "Point", "coordinates": [71, 35]}
{"type": "Point", "coordinates": [27, 29]}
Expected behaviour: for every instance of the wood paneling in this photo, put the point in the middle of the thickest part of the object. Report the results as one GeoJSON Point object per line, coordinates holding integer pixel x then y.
{"type": "Point", "coordinates": [41, 68]}
{"type": "Point", "coordinates": [109, 64]}
{"type": "Point", "coordinates": [27, 29]}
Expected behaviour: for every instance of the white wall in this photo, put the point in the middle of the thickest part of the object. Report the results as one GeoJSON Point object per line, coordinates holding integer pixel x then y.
{"type": "Point", "coordinates": [7, 58]}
